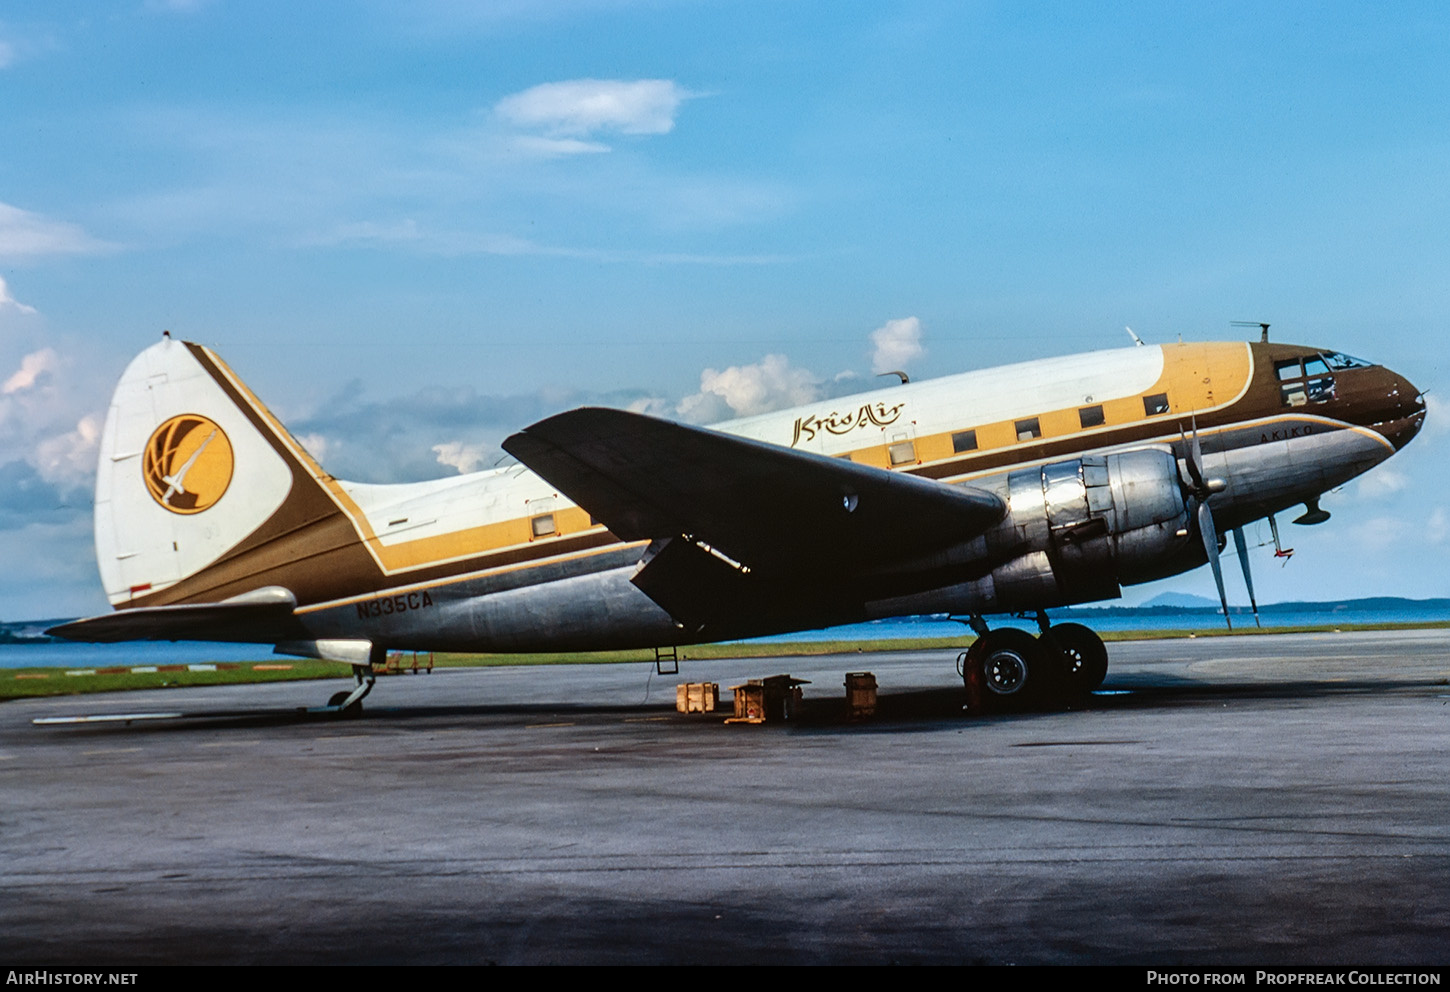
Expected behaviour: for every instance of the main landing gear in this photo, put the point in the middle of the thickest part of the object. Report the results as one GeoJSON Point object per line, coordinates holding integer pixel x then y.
{"type": "Point", "coordinates": [1008, 668]}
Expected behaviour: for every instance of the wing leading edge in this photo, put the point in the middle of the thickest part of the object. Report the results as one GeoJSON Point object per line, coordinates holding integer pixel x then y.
{"type": "Point", "coordinates": [787, 519]}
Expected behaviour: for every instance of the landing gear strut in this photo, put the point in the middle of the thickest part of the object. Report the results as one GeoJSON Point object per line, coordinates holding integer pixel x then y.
{"type": "Point", "coordinates": [348, 705]}
{"type": "Point", "coordinates": [1008, 668]}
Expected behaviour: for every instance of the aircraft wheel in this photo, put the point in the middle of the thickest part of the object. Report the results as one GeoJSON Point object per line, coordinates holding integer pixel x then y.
{"type": "Point", "coordinates": [1009, 669]}
{"type": "Point", "coordinates": [1085, 655]}
{"type": "Point", "coordinates": [352, 712]}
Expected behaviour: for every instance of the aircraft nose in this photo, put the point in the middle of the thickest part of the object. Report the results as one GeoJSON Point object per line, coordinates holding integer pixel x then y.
{"type": "Point", "coordinates": [1404, 414]}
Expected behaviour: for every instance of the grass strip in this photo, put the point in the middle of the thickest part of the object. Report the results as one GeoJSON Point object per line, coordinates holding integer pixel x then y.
{"type": "Point", "coordinates": [21, 683]}
{"type": "Point", "coordinates": [18, 683]}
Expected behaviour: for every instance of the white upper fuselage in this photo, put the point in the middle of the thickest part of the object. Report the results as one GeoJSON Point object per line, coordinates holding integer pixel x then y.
{"type": "Point", "coordinates": [408, 512]}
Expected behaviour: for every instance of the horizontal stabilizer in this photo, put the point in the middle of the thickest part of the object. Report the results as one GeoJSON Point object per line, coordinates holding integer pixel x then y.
{"type": "Point", "coordinates": [262, 616]}
{"type": "Point", "coordinates": [769, 508]}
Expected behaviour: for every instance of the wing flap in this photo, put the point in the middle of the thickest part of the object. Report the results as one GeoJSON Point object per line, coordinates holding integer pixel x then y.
{"type": "Point", "coordinates": [769, 508]}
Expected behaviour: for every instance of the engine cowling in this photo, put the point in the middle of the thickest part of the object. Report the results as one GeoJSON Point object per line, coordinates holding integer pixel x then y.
{"type": "Point", "coordinates": [1075, 531]}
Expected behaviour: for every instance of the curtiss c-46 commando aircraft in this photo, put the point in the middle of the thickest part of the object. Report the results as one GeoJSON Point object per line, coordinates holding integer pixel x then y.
{"type": "Point", "coordinates": [1007, 490]}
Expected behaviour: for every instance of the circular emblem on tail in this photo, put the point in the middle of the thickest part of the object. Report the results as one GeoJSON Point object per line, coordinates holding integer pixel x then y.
{"type": "Point", "coordinates": [188, 463]}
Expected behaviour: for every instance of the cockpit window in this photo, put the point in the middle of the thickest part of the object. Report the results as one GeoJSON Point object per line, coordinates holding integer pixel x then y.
{"type": "Point", "coordinates": [1301, 384]}
{"type": "Point", "coordinates": [1338, 361]}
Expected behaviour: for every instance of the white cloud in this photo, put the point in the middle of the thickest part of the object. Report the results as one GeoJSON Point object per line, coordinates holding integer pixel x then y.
{"type": "Point", "coordinates": [316, 445]}
{"type": "Point", "coordinates": [746, 390]}
{"type": "Point", "coordinates": [1437, 528]}
{"type": "Point", "coordinates": [24, 234]}
{"type": "Point", "coordinates": [32, 367]}
{"type": "Point", "coordinates": [1437, 416]}
{"type": "Point", "coordinates": [70, 459]}
{"type": "Point", "coordinates": [1377, 533]}
{"type": "Point", "coordinates": [530, 144]}
{"type": "Point", "coordinates": [367, 232]}
{"type": "Point", "coordinates": [580, 107]}
{"type": "Point", "coordinates": [652, 406]}
{"type": "Point", "coordinates": [1381, 482]}
{"type": "Point", "coordinates": [897, 343]}
{"type": "Point", "coordinates": [408, 234]}
{"type": "Point", "coordinates": [774, 384]}
{"type": "Point", "coordinates": [464, 457]}
{"type": "Point", "coordinates": [6, 300]}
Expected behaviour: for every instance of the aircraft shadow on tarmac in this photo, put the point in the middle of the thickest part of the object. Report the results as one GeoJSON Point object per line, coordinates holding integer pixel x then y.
{"type": "Point", "coordinates": [918, 709]}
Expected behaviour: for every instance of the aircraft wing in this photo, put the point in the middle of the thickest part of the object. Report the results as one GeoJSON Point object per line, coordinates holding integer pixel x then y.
{"type": "Point", "coordinates": [772, 509]}
{"type": "Point", "coordinates": [262, 616]}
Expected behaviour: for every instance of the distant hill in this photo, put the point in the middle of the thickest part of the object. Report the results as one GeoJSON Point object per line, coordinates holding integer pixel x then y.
{"type": "Point", "coordinates": [1176, 602]}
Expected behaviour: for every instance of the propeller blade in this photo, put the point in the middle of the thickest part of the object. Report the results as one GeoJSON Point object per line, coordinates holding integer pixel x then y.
{"type": "Point", "coordinates": [1210, 544]}
{"type": "Point", "coordinates": [1243, 549]}
{"type": "Point", "coordinates": [1193, 459]}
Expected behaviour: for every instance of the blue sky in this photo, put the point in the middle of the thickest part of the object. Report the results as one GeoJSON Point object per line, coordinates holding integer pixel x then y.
{"type": "Point", "coordinates": [413, 229]}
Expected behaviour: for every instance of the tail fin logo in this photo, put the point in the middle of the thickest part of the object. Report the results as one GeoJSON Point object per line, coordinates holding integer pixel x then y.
{"type": "Point", "coordinates": [188, 463]}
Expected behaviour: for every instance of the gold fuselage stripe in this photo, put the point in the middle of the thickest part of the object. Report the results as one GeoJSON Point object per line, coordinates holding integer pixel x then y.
{"type": "Point", "coordinates": [1198, 379]}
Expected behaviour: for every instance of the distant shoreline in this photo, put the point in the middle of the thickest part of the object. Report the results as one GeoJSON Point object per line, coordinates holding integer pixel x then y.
{"type": "Point", "coordinates": [1371, 609]}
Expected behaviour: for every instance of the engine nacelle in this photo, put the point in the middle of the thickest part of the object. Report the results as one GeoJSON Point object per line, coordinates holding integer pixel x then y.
{"type": "Point", "coordinates": [1075, 532]}
{"type": "Point", "coordinates": [1082, 528]}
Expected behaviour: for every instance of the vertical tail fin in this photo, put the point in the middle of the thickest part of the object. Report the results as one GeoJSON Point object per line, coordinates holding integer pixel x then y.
{"type": "Point", "coordinates": [192, 468]}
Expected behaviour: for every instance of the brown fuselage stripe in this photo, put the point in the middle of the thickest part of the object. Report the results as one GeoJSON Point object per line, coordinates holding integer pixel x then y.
{"type": "Point", "coordinates": [320, 551]}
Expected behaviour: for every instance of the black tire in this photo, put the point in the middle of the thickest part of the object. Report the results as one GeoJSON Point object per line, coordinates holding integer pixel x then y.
{"type": "Point", "coordinates": [352, 712]}
{"type": "Point", "coordinates": [1010, 669]}
{"type": "Point", "coordinates": [1085, 657]}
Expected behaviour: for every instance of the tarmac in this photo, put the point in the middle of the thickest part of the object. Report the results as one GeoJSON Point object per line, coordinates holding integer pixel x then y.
{"type": "Point", "coordinates": [1270, 800]}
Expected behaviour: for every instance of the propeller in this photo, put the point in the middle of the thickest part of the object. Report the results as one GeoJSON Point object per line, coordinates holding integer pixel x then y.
{"type": "Point", "coordinates": [1201, 489]}
{"type": "Point", "coordinates": [1243, 550]}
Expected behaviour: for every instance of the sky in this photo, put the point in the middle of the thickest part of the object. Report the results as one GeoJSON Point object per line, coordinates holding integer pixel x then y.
{"type": "Point", "coordinates": [413, 229]}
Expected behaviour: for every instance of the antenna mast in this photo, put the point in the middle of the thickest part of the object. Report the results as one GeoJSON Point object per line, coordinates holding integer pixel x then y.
{"type": "Point", "coordinates": [1262, 325]}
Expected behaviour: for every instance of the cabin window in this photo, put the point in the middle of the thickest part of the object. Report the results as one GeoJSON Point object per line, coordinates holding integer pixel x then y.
{"type": "Point", "coordinates": [1091, 416]}
{"type": "Point", "coordinates": [1156, 404]}
{"type": "Point", "coordinates": [964, 441]}
{"type": "Point", "coordinates": [902, 452]}
{"type": "Point", "coordinates": [543, 525]}
{"type": "Point", "coordinates": [1028, 429]}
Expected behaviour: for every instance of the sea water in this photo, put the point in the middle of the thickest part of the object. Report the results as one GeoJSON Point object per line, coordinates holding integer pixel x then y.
{"type": "Point", "coordinates": [70, 655]}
